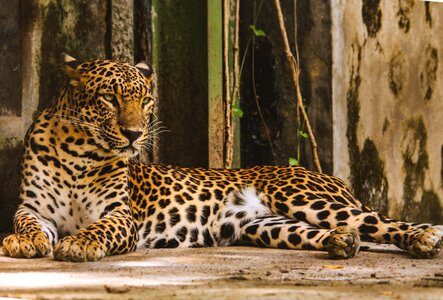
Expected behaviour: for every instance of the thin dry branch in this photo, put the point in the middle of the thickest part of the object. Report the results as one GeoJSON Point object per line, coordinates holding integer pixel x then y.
{"type": "Point", "coordinates": [297, 59]}
{"type": "Point", "coordinates": [295, 72]}
{"type": "Point", "coordinates": [229, 124]}
{"type": "Point", "coordinates": [235, 51]}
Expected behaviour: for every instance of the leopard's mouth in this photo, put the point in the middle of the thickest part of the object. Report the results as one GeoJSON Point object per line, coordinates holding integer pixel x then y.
{"type": "Point", "coordinates": [119, 149]}
{"type": "Point", "coordinates": [128, 151]}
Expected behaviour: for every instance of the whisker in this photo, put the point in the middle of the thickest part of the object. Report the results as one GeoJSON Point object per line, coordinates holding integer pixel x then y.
{"type": "Point", "coordinates": [74, 120]}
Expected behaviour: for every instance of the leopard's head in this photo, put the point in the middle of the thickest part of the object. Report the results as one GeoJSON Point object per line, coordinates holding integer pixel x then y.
{"type": "Point", "coordinates": [113, 101]}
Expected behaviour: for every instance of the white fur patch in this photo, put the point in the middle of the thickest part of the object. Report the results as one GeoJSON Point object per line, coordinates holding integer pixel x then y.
{"type": "Point", "coordinates": [253, 202]}
{"type": "Point", "coordinates": [240, 207]}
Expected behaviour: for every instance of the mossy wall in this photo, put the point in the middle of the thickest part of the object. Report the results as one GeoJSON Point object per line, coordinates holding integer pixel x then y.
{"type": "Point", "coordinates": [388, 108]}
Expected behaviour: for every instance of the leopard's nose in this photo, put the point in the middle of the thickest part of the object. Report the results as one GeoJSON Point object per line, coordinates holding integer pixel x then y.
{"type": "Point", "coordinates": [131, 135]}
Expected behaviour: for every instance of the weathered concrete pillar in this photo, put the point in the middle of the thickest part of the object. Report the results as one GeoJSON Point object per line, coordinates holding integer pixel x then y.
{"type": "Point", "coordinates": [122, 36]}
{"type": "Point", "coordinates": [216, 120]}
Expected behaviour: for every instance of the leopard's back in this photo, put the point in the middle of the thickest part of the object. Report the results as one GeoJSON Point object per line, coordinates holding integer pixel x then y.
{"type": "Point", "coordinates": [181, 207]}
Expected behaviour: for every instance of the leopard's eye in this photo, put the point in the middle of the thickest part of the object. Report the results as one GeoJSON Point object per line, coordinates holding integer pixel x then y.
{"type": "Point", "coordinates": [147, 100]}
{"type": "Point", "coordinates": [111, 98]}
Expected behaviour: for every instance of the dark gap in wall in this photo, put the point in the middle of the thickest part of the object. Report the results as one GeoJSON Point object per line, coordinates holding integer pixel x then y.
{"type": "Point", "coordinates": [182, 82]}
{"type": "Point", "coordinates": [274, 86]}
{"type": "Point", "coordinates": [142, 31]}
{"type": "Point", "coordinates": [315, 48]}
{"type": "Point", "coordinates": [142, 47]}
{"type": "Point", "coordinates": [52, 45]}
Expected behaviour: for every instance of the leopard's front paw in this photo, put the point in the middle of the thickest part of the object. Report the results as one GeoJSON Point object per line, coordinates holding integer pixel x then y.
{"type": "Point", "coordinates": [344, 242]}
{"type": "Point", "coordinates": [78, 248]}
{"type": "Point", "coordinates": [27, 245]}
{"type": "Point", "coordinates": [426, 244]}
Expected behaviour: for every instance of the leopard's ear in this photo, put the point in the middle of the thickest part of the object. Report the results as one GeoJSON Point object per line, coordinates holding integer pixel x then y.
{"type": "Point", "coordinates": [145, 68]}
{"type": "Point", "coordinates": [70, 65]}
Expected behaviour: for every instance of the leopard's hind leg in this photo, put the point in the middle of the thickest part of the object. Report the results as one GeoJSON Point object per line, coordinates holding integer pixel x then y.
{"type": "Point", "coordinates": [420, 240]}
{"type": "Point", "coordinates": [281, 232]}
{"type": "Point", "coordinates": [246, 218]}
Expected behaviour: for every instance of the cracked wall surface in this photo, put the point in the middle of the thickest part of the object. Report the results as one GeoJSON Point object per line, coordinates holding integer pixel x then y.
{"type": "Point", "coordinates": [388, 111]}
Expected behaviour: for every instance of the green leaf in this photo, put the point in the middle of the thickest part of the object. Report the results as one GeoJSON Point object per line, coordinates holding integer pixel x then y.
{"type": "Point", "coordinates": [257, 32]}
{"type": "Point", "coordinates": [303, 134]}
{"type": "Point", "coordinates": [238, 112]}
{"type": "Point", "coordinates": [293, 161]}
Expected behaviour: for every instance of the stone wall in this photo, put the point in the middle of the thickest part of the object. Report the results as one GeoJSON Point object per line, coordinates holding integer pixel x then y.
{"type": "Point", "coordinates": [11, 127]}
{"type": "Point", "coordinates": [380, 129]}
{"type": "Point", "coordinates": [388, 108]}
{"type": "Point", "coordinates": [33, 34]}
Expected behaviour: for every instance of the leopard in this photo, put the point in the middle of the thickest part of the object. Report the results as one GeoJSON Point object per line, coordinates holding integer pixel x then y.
{"type": "Point", "coordinates": [86, 194]}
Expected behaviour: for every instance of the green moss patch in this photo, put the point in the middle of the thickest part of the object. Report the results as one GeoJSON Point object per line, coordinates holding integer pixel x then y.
{"type": "Point", "coordinates": [395, 73]}
{"type": "Point", "coordinates": [428, 76]}
{"type": "Point", "coordinates": [426, 208]}
{"type": "Point", "coordinates": [404, 14]}
{"type": "Point", "coordinates": [367, 178]}
{"type": "Point", "coordinates": [372, 16]}
{"type": "Point", "coordinates": [430, 208]}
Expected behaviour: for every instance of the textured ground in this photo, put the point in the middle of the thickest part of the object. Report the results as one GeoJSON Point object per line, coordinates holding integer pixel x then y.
{"type": "Point", "coordinates": [226, 273]}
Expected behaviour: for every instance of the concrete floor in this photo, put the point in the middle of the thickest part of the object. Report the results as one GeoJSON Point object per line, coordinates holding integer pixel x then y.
{"type": "Point", "coordinates": [226, 273]}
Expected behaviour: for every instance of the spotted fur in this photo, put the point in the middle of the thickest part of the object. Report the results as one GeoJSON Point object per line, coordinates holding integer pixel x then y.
{"type": "Point", "coordinates": [85, 195]}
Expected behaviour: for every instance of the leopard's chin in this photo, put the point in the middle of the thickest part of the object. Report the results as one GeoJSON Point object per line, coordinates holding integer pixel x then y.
{"type": "Point", "coordinates": [128, 152]}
